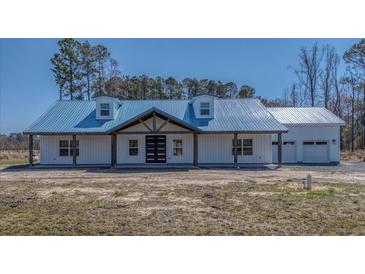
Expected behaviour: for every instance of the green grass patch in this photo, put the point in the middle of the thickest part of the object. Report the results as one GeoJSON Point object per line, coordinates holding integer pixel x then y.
{"type": "Point", "coordinates": [13, 161]}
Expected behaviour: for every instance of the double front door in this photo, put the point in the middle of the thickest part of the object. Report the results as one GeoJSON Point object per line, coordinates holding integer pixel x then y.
{"type": "Point", "coordinates": [156, 149]}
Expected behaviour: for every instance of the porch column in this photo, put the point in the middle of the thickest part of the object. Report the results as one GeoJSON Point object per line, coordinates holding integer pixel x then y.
{"type": "Point", "coordinates": [279, 150]}
{"type": "Point", "coordinates": [74, 150]}
{"type": "Point", "coordinates": [114, 150]}
{"type": "Point", "coordinates": [30, 146]}
{"type": "Point", "coordinates": [235, 143]}
{"type": "Point", "coordinates": [196, 149]}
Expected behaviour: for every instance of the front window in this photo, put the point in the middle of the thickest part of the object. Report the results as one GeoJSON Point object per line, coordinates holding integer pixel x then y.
{"type": "Point", "coordinates": [247, 148]}
{"type": "Point", "coordinates": [239, 147]}
{"type": "Point", "coordinates": [204, 108]}
{"type": "Point", "coordinates": [104, 109]}
{"type": "Point", "coordinates": [65, 148]}
{"type": "Point", "coordinates": [177, 147]}
{"type": "Point", "coordinates": [133, 147]}
{"type": "Point", "coordinates": [77, 148]}
{"type": "Point", "coordinates": [244, 147]}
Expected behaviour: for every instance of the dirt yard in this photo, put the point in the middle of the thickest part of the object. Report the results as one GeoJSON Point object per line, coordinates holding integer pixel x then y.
{"type": "Point", "coordinates": [183, 202]}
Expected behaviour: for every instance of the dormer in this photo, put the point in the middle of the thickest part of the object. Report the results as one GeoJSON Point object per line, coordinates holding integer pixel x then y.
{"type": "Point", "coordinates": [203, 106]}
{"type": "Point", "coordinates": [106, 107]}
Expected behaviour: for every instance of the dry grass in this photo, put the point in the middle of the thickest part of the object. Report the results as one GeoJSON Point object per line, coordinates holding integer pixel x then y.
{"type": "Point", "coordinates": [195, 202]}
{"type": "Point", "coordinates": [356, 156]}
{"type": "Point", "coordinates": [10, 157]}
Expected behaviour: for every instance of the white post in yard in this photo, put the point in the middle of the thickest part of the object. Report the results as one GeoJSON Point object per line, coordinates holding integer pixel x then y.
{"type": "Point", "coordinates": [308, 184]}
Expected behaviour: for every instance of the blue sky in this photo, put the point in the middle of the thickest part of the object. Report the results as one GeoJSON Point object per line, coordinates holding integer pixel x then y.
{"type": "Point", "coordinates": [27, 87]}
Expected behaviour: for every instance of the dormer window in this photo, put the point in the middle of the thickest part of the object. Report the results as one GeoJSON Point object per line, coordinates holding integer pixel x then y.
{"type": "Point", "coordinates": [204, 108]}
{"type": "Point", "coordinates": [104, 109]}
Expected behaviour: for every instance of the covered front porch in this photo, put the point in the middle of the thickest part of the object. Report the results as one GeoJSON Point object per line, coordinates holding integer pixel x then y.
{"type": "Point", "coordinates": [155, 139]}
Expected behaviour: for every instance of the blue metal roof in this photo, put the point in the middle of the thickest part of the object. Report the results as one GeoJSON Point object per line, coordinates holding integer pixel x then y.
{"type": "Point", "coordinates": [230, 115]}
{"type": "Point", "coordinates": [305, 116]}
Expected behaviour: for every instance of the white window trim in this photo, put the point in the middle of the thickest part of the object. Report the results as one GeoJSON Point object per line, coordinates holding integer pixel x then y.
{"type": "Point", "coordinates": [104, 107]}
{"type": "Point", "coordinates": [64, 148]}
{"type": "Point", "coordinates": [129, 147]}
{"type": "Point", "coordinates": [69, 148]}
{"type": "Point", "coordinates": [251, 146]}
{"type": "Point", "coordinates": [241, 147]}
{"type": "Point", "coordinates": [204, 108]}
{"type": "Point", "coordinates": [176, 147]}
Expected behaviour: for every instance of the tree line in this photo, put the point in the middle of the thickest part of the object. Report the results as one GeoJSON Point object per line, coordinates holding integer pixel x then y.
{"type": "Point", "coordinates": [17, 141]}
{"type": "Point", "coordinates": [319, 83]}
{"type": "Point", "coordinates": [83, 70]}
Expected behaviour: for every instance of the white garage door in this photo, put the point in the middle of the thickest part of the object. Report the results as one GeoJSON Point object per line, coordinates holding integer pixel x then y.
{"type": "Point", "coordinates": [289, 152]}
{"type": "Point", "coordinates": [315, 152]}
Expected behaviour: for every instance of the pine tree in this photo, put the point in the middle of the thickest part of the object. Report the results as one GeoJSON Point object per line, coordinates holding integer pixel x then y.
{"type": "Point", "coordinates": [66, 69]}
{"type": "Point", "coordinates": [88, 65]}
{"type": "Point", "coordinates": [101, 57]}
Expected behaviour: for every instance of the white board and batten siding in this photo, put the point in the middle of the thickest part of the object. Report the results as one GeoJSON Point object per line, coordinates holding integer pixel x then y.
{"type": "Point", "coordinates": [322, 144]}
{"type": "Point", "coordinates": [217, 149]}
{"type": "Point", "coordinates": [93, 149]}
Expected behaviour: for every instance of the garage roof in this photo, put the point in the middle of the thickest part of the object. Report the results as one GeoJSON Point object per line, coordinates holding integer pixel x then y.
{"type": "Point", "coordinates": [305, 116]}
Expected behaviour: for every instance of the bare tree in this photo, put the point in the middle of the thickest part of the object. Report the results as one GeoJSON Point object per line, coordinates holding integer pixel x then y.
{"type": "Point", "coordinates": [338, 93]}
{"type": "Point", "coordinates": [294, 95]}
{"type": "Point", "coordinates": [285, 98]}
{"type": "Point", "coordinates": [355, 56]}
{"type": "Point", "coordinates": [350, 82]}
{"type": "Point", "coordinates": [310, 70]}
{"type": "Point", "coordinates": [331, 62]}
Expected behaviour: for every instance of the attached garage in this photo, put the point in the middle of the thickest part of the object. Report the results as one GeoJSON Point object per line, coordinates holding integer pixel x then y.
{"type": "Point", "coordinates": [315, 152]}
{"type": "Point", "coordinates": [289, 152]}
{"type": "Point", "coordinates": [313, 135]}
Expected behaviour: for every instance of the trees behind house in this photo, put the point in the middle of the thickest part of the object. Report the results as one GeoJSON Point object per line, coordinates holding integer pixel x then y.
{"type": "Point", "coordinates": [82, 70]}
{"type": "Point", "coordinates": [308, 72]}
{"type": "Point", "coordinates": [319, 84]}
{"type": "Point", "coordinates": [246, 92]}
{"type": "Point", "coordinates": [355, 57]}
{"type": "Point", "coordinates": [17, 141]}
{"type": "Point", "coordinates": [66, 69]}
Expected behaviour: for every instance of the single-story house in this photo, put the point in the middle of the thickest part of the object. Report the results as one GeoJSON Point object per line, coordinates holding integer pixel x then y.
{"type": "Point", "coordinates": [203, 130]}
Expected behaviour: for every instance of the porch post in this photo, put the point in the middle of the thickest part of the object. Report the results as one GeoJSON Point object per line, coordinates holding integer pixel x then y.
{"type": "Point", "coordinates": [196, 149]}
{"type": "Point", "coordinates": [235, 141]}
{"type": "Point", "coordinates": [114, 150]}
{"type": "Point", "coordinates": [279, 150]}
{"type": "Point", "coordinates": [30, 147]}
{"type": "Point", "coordinates": [74, 150]}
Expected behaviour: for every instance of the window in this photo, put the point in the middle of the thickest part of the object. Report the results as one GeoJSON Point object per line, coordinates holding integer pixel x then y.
{"type": "Point", "coordinates": [239, 147]}
{"type": "Point", "coordinates": [292, 143]}
{"type": "Point", "coordinates": [275, 143]}
{"type": "Point", "coordinates": [308, 143]}
{"type": "Point", "coordinates": [247, 147]}
{"type": "Point", "coordinates": [77, 148]}
{"type": "Point", "coordinates": [133, 147]}
{"type": "Point", "coordinates": [204, 108]}
{"type": "Point", "coordinates": [177, 147]}
{"type": "Point", "coordinates": [321, 143]}
{"type": "Point", "coordinates": [104, 109]}
{"type": "Point", "coordinates": [66, 148]}
{"type": "Point", "coordinates": [244, 147]}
